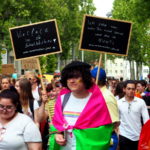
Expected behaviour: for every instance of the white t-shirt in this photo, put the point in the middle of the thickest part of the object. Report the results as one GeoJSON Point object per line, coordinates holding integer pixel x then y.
{"type": "Point", "coordinates": [71, 112]}
{"type": "Point", "coordinates": [130, 117]}
{"type": "Point", "coordinates": [35, 94]}
{"type": "Point", "coordinates": [18, 132]}
{"type": "Point", "coordinates": [73, 108]}
{"type": "Point", "coordinates": [35, 106]}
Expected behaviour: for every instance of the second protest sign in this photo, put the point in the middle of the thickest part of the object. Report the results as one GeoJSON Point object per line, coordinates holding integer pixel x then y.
{"type": "Point", "coordinates": [105, 35]}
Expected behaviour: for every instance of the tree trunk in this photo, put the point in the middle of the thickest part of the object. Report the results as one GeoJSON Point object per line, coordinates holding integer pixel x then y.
{"type": "Point", "coordinates": [58, 62]}
{"type": "Point", "coordinates": [132, 72]}
{"type": "Point", "coordinates": [73, 51]}
{"type": "Point", "coordinates": [140, 71]}
{"type": "Point", "coordinates": [137, 70]}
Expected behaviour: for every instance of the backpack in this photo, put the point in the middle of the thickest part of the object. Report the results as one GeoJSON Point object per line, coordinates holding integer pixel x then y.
{"type": "Point", "coordinates": [65, 100]}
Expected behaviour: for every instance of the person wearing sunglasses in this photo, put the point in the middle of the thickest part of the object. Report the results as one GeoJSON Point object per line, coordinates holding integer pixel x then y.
{"type": "Point", "coordinates": [17, 131]}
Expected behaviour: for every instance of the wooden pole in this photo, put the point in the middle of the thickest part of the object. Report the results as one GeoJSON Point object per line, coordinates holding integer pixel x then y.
{"type": "Point", "coordinates": [48, 105]}
{"type": "Point", "coordinates": [99, 66]}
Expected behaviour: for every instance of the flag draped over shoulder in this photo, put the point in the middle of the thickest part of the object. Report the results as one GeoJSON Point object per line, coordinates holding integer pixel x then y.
{"type": "Point", "coordinates": [94, 126]}
{"type": "Point", "coordinates": [88, 139]}
{"type": "Point", "coordinates": [93, 138]}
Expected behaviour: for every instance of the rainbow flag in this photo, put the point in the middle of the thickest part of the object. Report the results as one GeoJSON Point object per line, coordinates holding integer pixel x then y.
{"type": "Point", "coordinates": [94, 126]}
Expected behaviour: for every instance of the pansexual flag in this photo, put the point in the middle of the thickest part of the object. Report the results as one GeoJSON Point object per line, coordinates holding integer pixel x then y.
{"type": "Point", "coordinates": [94, 126]}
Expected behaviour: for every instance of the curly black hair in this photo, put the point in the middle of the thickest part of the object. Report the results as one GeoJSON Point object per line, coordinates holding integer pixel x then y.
{"type": "Point", "coordinates": [77, 69]}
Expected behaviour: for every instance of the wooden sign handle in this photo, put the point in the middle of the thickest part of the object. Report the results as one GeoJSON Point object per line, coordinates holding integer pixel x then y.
{"type": "Point", "coordinates": [40, 72]}
{"type": "Point", "coordinates": [99, 66]}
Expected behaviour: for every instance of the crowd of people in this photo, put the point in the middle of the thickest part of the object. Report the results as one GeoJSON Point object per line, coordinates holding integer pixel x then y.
{"type": "Point", "coordinates": [74, 112]}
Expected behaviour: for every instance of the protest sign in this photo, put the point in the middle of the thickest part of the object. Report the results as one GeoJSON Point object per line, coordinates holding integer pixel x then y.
{"type": "Point", "coordinates": [35, 39]}
{"type": "Point", "coordinates": [105, 35]}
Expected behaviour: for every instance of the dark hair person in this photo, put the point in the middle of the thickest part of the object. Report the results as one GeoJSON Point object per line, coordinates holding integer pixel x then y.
{"type": "Point", "coordinates": [80, 111]}
{"type": "Point", "coordinates": [119, 91]}
{"type": "Point", "coordinates": [77, 69]}
{"type": "Point", "coordinates": [29, 105]}
{"type": "Point", "coordinates": [15, 126]}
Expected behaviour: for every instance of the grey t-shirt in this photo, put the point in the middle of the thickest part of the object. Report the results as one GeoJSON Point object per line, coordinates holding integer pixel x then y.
{"type": "Point", "coordinates": [18, 132]}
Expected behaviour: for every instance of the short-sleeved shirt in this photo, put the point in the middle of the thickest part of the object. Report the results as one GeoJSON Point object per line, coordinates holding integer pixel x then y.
{"type": "Point", "coordinates": [18, 132]}
{"type": "Point", "coordinates": [111, 103]}
{"type": "Point", "coordinates": [71, 112]}
{"type": "Point", "coordinates": [130, 117]}
{"type": "Point", "coordinates": [35, 106]}
{"type": "Point", "coordinates": [36, 94]}
{"type": "Point", "coordinates": [73, 108]}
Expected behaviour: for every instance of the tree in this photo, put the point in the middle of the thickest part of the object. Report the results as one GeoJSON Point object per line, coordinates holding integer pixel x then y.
{"type": "Point", "coordinates": [139, 49]}
{"type": "Point", "coordinates": [68, 13]}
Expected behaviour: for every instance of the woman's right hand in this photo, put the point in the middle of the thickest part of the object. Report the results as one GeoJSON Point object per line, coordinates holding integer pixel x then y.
{"type": "Point", "coordinates": [60, 139]}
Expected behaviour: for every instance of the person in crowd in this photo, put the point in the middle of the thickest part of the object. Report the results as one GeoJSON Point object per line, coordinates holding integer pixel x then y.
{"type": "Point", "coordinates": [5, 83]}
{"type": "Point", "coordinates": [121, 79]}
{"type": "Point", "coordinates": [131, 109]}
{"type": "Point", "coordinates": [17, 131]}
{"type": "Point", "coordinates": [111, 103]}
{"type": "Point", "coordinates": [51, 96]}
{"type": "Point", "coordinates": [12, 81]}
{"type": "Point", "coordinates": [81, 116]}
{"type": "Point", "coordinates": [36, 91]}
{"type": "Point", "coordinates": [112, 86]}
{"type": "Point", "coordinates": [119, 93]}
{"type": "Point", "coordinates": [45, 81]}
{"type": "Point", "coordinates": [148, 89]}
{"type": "Point", "coordinates": [142, 93]}
{"type": "Point", "coordinates": [29, 105]}
{"type": "Point", "coordinates": [56, 79]}
{"type": "Point", "coordinates": [140, 87]}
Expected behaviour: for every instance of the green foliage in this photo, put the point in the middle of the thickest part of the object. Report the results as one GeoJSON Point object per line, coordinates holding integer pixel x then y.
{"type": "Point", "coordinates": [51, 64]}
{"type": "Point", "coordinates": [68, 14]}
{"type": "Point", "coordinates": [136, 11]}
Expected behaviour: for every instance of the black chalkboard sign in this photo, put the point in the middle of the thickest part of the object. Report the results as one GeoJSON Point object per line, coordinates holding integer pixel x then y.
{"type": "Point", "coordinates": [35, 40]}
{"type": "Point", "coordinates": [105, 35]}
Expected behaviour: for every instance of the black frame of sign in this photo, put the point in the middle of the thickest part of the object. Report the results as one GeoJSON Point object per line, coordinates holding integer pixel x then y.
{"type": "Point", "coordinates": [105, 35]}
{"type": "Point", "coordinates": [36, 39]}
